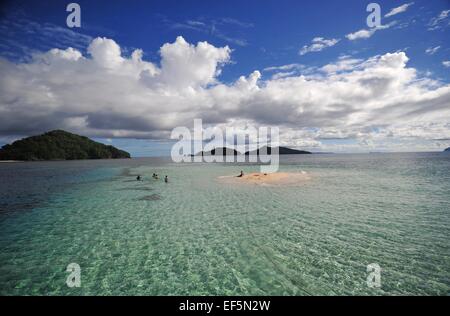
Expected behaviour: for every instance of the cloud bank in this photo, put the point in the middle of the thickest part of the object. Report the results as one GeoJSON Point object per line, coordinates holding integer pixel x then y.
{"type": "Point", "coordinates": [377, 102]}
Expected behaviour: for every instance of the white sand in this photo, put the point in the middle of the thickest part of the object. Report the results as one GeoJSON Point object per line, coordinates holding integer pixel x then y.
{"type": "Point", "coordinates": [277, 178]}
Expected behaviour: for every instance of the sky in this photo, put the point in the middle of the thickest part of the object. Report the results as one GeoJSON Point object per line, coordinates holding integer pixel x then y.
{"type": "Point", "coordinates": [135, 70]}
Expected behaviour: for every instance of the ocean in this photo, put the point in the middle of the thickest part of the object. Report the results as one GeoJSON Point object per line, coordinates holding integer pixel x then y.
{"type": "Point", "coordinates": [198, 236]}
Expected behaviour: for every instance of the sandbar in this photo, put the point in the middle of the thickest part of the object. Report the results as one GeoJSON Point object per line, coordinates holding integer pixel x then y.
{"type": "Point", "coordinates": [276, 178]}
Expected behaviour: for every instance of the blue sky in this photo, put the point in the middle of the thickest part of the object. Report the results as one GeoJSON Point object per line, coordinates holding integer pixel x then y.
{"type": "Point", "coordinates": [261, 35]}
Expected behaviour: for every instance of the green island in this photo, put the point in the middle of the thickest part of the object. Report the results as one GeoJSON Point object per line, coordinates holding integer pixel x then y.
{"type": "Point", "coordinates": [268, 150]}
{"type": "Point", "coordinates": [59, 145]}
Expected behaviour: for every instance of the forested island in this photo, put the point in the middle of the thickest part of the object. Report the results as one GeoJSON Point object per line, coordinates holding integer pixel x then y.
{"type": "Point", "coordinates": [268, 150]}
{"type": "Point", "coordinates": [59, 145]}
{"type": "Point", "coordinates": [281, 151]}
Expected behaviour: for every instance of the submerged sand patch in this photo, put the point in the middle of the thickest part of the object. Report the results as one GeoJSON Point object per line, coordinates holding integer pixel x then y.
{"type": "Point", "coordinates": [277, 178]}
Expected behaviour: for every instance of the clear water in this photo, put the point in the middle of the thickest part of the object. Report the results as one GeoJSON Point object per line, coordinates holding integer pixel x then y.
{"type": "Point", "coordinates": [197, 236]}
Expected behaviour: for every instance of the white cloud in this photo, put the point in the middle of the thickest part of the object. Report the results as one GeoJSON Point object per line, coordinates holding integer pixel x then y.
{"type": "Point", "coordinates": [360, 34]}
{"type": "Point", "coordinates": [446, 63]}
{"type": "Point", "coordinates": [342, 64]}
{"type": "Point", "coordinates": [285, 67]}
{"type": "Point", "coordinates": [195, 23]}
{"type": "Point", "coordinates": [364, 33]}
{"type": "Point", "coordinates": [399, 9]}
{"type": "Point", "coordinates": [289, 70]}
{"type": "Point", "coordinates": [105, 94]}
{"type": "Point", "coordinates": [432, 50]}
{"type": "Point", "coordinates": [279, 75]}
{"type": "Point", "coordinates": [439, 21]}
{"type": "Point", "coordinates": [318, 44]}
{"type": "Point", "coordinates": [105, 52]}
{"type": "Point", "coordinates": [186, 65]}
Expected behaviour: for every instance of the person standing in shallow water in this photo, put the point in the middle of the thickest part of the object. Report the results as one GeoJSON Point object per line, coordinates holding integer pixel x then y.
{"type": "Point", "coordinates": [166, 179]}
{"type": "Point", "coordinates": [138, 178]}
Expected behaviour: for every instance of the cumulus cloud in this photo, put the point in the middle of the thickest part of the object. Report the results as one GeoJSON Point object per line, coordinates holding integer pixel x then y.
{"type": "Point", "coordinates": [185, 65]}
{"type": "Point", "coordinates": [446, 63]}
{"type": "Point", "coordinates": [106, 94]}
{"type": "Point", "coordinates": [399, 9]}
{"type": "Point", "coordinates": [318, 44]}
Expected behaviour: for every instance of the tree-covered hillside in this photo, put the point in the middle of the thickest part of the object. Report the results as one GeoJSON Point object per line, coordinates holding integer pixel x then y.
{"type": "Point", "coordinates": [59, 145]}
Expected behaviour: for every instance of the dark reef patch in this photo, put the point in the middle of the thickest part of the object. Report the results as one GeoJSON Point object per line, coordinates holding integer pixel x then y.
{"type": "Point", "coordinates": [135, 189]}
{"type": "Point", "coordinates": [153, 197]}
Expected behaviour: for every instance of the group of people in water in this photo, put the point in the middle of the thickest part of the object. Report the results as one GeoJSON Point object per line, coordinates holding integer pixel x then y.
{"type": "Point", "coordinates": [154, 176]}
{"type": "Point", "coordinates": [166, 179]}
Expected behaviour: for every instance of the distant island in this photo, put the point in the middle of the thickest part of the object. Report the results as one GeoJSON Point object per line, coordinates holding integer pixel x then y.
{"type": "Point", "coordinates": [219, 151]}
{"type": "Point", "coordinates": [59, 145]}
{"type": "Point", "coordinates": [281, 151]}
{"type": "Point", "coordinates": [224, 151]}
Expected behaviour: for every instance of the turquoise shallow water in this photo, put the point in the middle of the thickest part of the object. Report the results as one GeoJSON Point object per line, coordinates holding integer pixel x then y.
{"type": "Point", "coordinates": [197, 236]}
